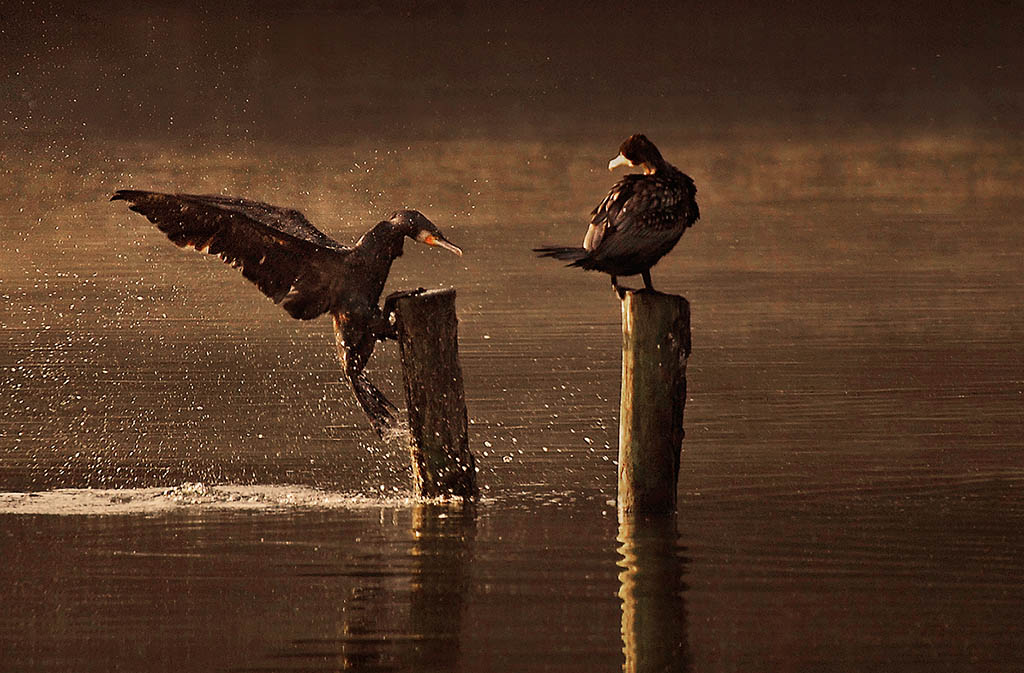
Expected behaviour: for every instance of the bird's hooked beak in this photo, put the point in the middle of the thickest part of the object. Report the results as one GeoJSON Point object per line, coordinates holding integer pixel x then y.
{"type": "Point", "coordinates": [439, 241]}
{"type": "Point", "coordinates": [620, 160]}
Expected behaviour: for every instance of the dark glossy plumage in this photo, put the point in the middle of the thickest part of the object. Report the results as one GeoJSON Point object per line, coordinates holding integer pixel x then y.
{"type": "Point", "coordinates": [639, 221]}
{"type": "Point", "coordinates": [300, 267]}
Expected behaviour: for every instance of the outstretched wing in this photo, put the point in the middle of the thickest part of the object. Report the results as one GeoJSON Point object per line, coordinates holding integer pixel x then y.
{"type": "Point", "coordinates": [646, 212]}
{"type": "Point", "coordinates": [277, 249]}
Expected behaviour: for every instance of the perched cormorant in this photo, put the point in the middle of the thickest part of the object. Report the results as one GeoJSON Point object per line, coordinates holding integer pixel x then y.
{"type": "Point", "coordinates": [300, 267]}
{"type": "Point", "coordinates": [639, 221]}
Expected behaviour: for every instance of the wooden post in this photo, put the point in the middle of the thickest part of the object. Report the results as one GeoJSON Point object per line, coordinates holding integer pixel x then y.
{"type": "Point", "coordinates": [655, 346]}
{"type": "Point", "coordinates": [442, 464]}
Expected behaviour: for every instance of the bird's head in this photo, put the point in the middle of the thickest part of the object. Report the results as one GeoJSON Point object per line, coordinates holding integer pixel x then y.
{"type": "Point", "coordinates": [416, 226]}
{"type": "Point", "coordinates": [637, 150]}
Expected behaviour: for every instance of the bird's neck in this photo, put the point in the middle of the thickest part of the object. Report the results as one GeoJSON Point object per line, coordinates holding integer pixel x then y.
{"type": "Point", "coordinates": [656, 166]}
{"type": "Point", "coordinates": [384, 240]}
{"type": "Point", "coordinates": [667, 171]}
{"type": "Point", "coordinates": [375, 252]}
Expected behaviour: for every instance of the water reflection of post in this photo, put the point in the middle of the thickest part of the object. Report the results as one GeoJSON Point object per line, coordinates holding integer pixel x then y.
{"type": "Point", "coordinates": [651, 589]}
{"type": "Point", "coordinates": [443, 536]}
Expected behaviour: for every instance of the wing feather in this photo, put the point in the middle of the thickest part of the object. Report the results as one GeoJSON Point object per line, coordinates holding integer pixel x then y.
{"type": "Point", "coordinates": [277, 249]}
{"type": "Point", "coordinates": [641, 218]}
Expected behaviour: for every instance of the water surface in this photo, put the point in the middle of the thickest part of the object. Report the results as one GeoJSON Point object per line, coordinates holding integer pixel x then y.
{"type": "Point", "coordinates": [851, 486]}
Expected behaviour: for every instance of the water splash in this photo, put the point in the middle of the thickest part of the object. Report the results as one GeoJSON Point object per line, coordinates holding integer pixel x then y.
{"type": "Point", "coordinates": [191, 496]}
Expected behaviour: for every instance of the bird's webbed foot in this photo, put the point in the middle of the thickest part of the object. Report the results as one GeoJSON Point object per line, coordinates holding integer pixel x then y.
{"type": "Point", "coordinates": [389, 327]}
{"type": "Point", "coordinates": [619, 290]}
{"type": "Point", "coordinates": [377, 407]}
{"type": "Point", "coordinates": [383, 327]}
{"type": "Point", "coordinates": [392, 299]}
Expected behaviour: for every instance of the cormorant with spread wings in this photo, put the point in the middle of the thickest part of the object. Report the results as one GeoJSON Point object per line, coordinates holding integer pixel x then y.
{"type": "Point", "coordinates": [301, 268]}
{"type": "Point", "coordinates": [640, 220]}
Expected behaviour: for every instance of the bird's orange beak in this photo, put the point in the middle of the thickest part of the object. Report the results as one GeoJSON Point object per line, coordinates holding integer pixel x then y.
{"type": "Point", "coordinates": [441, 242]}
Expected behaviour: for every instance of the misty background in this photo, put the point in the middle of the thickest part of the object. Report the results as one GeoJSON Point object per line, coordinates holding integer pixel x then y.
{"type": "Point", "coordinates": [188, 73]}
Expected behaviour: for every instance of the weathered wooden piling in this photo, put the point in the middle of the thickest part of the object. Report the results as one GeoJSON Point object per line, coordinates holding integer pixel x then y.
{"type": "Point", "coordinates": [655, 347]}
{"type": "Point", "coordinates": [442, 463]}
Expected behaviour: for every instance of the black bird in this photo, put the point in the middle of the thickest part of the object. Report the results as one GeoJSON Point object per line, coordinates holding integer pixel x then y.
{"type": "Point", "coordinates": [640, 220]}
{"type": "Point", "coordinates": [301, 268]}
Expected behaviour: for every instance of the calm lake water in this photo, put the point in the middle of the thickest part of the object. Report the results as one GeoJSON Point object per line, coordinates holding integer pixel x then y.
{"type": "Point", "coordinates": [189, 485]}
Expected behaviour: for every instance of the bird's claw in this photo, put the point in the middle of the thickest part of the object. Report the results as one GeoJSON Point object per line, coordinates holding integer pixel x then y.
{"type": "Point", "coordinates": [388, 332]}
{"type": "Point", "coordinates": [619, 290]}
{"type": "Point", "coordinates": [388, 328]}
{"type": "Point", "coordinates": [392, 299]}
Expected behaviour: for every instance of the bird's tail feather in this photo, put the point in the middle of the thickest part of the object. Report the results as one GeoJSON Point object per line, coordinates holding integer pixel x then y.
{"type": "Point", "coordinates": [378, 408]}
{"type": "Point", "coordinates": [565, 254]}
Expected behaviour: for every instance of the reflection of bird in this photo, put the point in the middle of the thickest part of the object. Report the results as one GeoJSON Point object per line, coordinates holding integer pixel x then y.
{"type": "Point", "coordinates": [639, 221]}
{"type": "Point", "coordinates": [300, 267]}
